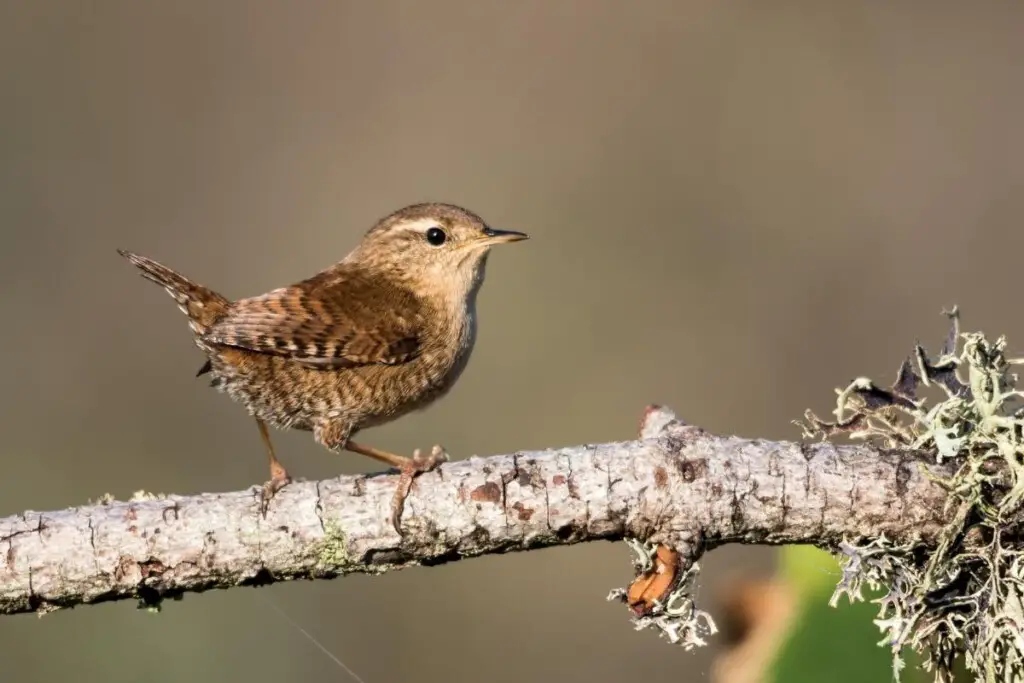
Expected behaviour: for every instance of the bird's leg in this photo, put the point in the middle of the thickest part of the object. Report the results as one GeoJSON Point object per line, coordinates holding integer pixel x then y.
{"type": "Point", "coordinates": [408, 468]}
{"type": "Point", "coordinates": [278, 475]}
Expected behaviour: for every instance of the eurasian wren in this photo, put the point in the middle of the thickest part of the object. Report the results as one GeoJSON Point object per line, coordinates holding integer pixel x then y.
{"type": "Point", "coordinates": [385, 331]}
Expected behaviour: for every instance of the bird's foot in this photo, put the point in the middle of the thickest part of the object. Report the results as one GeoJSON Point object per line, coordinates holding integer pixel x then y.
{"type": "Point", "coordinates": [278, 480]}
{"type": "Point", "coordinates": [418, 464]}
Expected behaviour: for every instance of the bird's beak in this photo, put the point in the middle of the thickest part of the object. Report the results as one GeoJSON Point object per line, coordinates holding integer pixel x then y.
{"type": "Point", "coordinates": [492, 236]}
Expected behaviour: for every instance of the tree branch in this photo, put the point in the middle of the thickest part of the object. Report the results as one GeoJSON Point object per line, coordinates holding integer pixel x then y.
{"type": "Point", "coordinates": [677, 486]}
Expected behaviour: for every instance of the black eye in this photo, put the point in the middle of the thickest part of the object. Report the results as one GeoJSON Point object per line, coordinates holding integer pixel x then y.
{"type": "Point", "coordinates": [436, 236]}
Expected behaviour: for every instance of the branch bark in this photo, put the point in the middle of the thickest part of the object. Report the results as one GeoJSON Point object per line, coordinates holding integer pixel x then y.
{"type": "Point", "coordinates": [677, 485]}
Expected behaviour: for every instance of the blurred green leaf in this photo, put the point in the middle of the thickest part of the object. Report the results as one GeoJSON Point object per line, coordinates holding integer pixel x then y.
{"type": "Point", "coordinates": [825, 643]}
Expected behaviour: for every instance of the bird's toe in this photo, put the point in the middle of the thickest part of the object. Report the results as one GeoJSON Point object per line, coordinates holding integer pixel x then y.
{"type": "Point", "coordinates": [425, 462]}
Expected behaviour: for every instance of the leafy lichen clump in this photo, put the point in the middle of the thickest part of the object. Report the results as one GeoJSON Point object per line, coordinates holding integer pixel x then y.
{"type": "Point", "coordinates": [675, 615]}
{"type": "Point", "coordinates": [965, 596]}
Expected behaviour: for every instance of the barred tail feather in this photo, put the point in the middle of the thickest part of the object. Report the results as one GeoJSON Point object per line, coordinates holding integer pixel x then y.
{"type": "Point", "coordinates": [202, 305]}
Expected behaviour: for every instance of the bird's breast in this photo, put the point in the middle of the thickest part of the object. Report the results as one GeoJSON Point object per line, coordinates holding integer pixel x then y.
{"type": "Point", "coordinates": [447, 357]}
{"type": "Point", "coordinates": [393, 391]}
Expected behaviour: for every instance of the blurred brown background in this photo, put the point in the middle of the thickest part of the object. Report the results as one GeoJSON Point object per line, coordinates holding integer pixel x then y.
{"type": "Point", "coordinates": [736, 206]}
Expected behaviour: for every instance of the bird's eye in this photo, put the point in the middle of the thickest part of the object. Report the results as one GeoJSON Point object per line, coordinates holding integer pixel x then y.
{"type": "Point", "coordinates": [436, 236]}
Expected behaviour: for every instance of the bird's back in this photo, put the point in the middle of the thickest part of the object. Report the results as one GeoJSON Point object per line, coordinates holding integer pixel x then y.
{"type": "Point", "coordinates": [344, 345]}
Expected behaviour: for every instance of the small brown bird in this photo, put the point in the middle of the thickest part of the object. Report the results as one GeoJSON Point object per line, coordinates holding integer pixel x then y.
{"type": "Point", "coordinates": [386, 331]}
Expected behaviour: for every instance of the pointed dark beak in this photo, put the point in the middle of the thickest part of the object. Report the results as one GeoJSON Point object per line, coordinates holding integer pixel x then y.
{"type": "Point", "coordinates": [492, 236]}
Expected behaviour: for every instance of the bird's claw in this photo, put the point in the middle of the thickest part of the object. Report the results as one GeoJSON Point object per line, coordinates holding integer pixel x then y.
{"type": "Point", "coordinates": [418, 464]}
{"type": "Point", "coordinates": [270, 489]}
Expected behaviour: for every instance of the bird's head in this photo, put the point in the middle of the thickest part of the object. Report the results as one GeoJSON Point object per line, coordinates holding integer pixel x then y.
{"type": "Point", "coordinates": [433, 245]}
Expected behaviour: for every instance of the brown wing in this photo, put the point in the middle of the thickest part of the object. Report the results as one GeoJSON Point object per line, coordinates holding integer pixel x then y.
{"type": "Point", "coordinates": [326, 323]}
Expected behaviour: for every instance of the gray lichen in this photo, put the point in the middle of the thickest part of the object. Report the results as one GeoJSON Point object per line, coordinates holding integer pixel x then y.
{"type": "Point", "coordinates": [676, 617]}
{"type": "Point", "coordinates": [965, 596]}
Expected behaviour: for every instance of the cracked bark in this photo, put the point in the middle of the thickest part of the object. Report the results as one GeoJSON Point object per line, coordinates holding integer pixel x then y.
{"type": "Point", "coordinates": [677, 485]}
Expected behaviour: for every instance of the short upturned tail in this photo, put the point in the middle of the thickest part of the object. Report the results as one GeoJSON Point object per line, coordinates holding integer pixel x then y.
{"type": "Point", "coordinates": [202, 306]}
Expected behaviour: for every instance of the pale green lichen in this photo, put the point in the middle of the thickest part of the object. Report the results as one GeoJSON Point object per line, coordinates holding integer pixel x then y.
{"type": "Point", "coordinates": [677, 618]}
{"type": "Point", "coordinates": [143, 495]}
{"type": "Point", "coordinates": [964, 597]}
{"type": "Point", "coordinates": [331, 553]}
{"type": "Point", "coordinates": [137, 497]}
